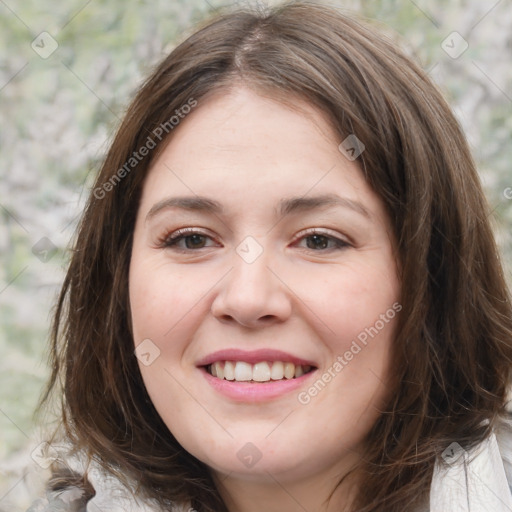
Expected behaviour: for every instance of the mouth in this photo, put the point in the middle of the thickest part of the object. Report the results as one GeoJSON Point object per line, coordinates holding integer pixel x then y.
{"type": "Point", "coordinates": [255, 376]}
{"type": "Point", "coordinates": [260, 372]}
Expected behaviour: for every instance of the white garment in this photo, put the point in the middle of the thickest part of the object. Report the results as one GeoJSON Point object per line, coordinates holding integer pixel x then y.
{"type": "Point", "coordinates": [475, 481]}
{"type": "Point", "coordinates": [111, 495]}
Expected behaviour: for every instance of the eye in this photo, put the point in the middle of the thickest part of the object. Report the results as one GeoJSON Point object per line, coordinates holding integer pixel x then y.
{"type": "Point", "coordinates": [190, 239]}
{"type": "Point", "coordinates": [317, 241]}
{"type": "Point", "coordinates": [185, 240]}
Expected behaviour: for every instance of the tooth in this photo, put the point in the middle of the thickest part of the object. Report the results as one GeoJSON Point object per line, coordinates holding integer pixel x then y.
{"type": "Point", "coordinates": [219, 370]}
{"type": "Point", "coordinates": [243, 371]}
{"type": "Point", "coordinates": [261, 372]}
{"type": "Point", "coordinates": [229, 370]}
{"type": "Point", "coordinates": [277, 372]}
{"type": "Point", "coordinates": [289, 370]}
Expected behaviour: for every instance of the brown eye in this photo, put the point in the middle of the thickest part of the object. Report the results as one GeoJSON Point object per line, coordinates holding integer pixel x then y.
{"type": "Point", "coordinates": [191, 241]}
{"type": "Point", "coordinates": [319, 241]}
{"type": "Point", "coordinates": [186, 240]}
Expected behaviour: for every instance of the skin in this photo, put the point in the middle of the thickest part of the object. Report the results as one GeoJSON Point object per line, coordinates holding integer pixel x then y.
{"type": "Point", "coordinates": [299, 296]}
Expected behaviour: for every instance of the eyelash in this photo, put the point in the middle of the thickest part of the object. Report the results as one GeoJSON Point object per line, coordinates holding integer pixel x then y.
{"type": "Point", "coordinates": [171, 240]}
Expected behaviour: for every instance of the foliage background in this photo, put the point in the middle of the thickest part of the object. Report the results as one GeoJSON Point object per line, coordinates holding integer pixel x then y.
{"type": "Point", "coordinates": [58, 115]}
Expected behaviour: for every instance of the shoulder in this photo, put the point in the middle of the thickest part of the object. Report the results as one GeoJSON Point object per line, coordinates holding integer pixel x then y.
{"type": "Point", "coordinates": [504, 440]}
{"type": "Point", "coordinates": [74, 486]}
{"type": "Point", "coordinates": [477, 480]}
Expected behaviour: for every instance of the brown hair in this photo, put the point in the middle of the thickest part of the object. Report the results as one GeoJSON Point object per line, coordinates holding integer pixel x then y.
{"type": "Point", "coordinates": [453, 350]}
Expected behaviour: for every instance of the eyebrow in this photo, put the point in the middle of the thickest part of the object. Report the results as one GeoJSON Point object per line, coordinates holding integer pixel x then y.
{"type": "Point", "coordinates": [286, 206]}
{"type": "Point", "coordinates": [300, 204]}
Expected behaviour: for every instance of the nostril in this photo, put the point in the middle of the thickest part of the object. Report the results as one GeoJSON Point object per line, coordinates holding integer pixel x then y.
{"type": "Point", "coordinates": [225, 318]}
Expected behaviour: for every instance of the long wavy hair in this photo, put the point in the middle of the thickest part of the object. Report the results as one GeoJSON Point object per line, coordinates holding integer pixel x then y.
{"type": "Point", "coordinates": [452, 354]}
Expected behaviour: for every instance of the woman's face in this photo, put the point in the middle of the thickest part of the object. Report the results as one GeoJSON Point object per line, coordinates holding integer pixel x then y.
{"type": "Point", "coordinates": [262, 256]}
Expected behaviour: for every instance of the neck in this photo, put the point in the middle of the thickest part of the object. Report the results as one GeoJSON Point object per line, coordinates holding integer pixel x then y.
{"type": "Point", "coordinates": [274, 494]}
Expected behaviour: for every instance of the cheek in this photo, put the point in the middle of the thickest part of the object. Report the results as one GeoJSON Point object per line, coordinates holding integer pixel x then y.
{"type": "Point", "coordinates": [364, 320]}
{"type": "Point", "coordinates": [167, 307]}
{"type": "Point", "coordinates": [162, 309]}
{"type": "Point", "coordinates": [351, 300]}
{"type": "Point", "coordinates": [160, 298]}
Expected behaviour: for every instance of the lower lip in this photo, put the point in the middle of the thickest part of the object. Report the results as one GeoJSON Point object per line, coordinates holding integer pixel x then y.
{"type": "Point", "coordinates": [255, 392]}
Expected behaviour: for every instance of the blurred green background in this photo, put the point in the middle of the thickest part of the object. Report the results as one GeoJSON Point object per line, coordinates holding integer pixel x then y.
{"type": "Point", "coordinates": [59, 109]}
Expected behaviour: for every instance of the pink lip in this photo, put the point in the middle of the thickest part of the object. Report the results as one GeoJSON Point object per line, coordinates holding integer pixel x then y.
{"type": "Point", "coordinates": [255, 392]}
{"type": "Point", "coordinates": [253, 357]}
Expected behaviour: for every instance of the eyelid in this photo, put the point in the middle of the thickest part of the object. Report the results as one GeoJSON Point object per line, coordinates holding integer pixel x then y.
{"type": "Point", "coordinates": [178, 234]}
{"type": "Point", "coordinates": [164, 240]}
{"type": "Point", "coordinates": [324, 232]}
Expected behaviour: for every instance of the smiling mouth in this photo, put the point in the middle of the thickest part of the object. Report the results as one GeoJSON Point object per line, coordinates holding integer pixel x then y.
{"type": "Point", "coordinates": [264, 371]}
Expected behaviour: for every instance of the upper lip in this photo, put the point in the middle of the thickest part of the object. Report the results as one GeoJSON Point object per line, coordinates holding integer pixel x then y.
{"type": "Point", "coordinates": [253, 357]}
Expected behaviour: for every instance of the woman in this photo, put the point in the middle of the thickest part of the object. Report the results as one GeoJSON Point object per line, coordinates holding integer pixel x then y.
{"type": "Point", "coordinates": [285, 293]}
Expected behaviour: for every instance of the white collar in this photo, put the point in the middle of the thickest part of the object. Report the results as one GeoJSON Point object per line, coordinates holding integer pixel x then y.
{"type": "Point", "coordinates": [473, 481]}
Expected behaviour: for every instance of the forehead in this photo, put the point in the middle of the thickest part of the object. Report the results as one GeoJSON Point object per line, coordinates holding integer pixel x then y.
{"type": "Point", "coordinates": [242, 141]}
{"type": "Point", "coordinates": [242, 122]}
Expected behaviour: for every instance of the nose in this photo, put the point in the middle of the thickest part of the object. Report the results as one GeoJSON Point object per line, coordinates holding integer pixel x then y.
{"type": "Point", "coordinates": [252, 294]}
